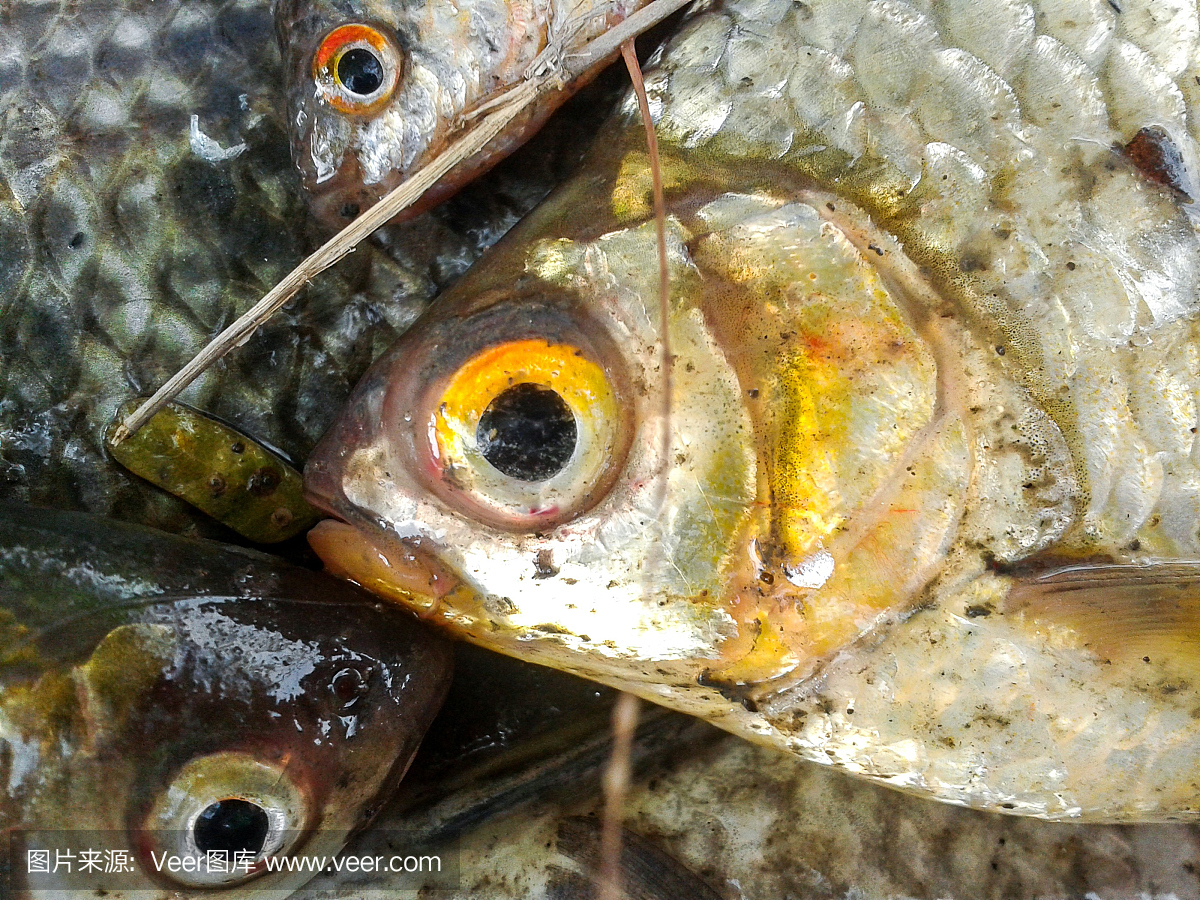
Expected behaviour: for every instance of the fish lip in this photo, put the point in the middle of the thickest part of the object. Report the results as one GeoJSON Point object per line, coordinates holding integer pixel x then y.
{"type": "Point", "coordinates": [317, 479]}
{"type": "Point", "coordinates": [342, 197]}
{"type": "Point", "coordinates": [402, 569]}
{"type": "Point", "coordinates": [424, 550]}
{"type": "Point", "coordinates": [419, 543]}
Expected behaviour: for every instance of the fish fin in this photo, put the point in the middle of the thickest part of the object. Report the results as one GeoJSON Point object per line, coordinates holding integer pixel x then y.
{"type": "Point", "coordinates": [1123, 613]}
{"type": "Point", "coordinates": [241, 482]}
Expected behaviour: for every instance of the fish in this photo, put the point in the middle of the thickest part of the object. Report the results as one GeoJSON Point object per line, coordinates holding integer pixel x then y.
{"type": "Point", "coordinates": [164, 693]}
{"type": "Point", "coordinates": [755, 824]}
{"type": "Point", "coordinates": [645, 871]}
{"type": "Point", "coordinates": [928, 506]}
{"type": "Point", "coordinates": [146, 199]}
{"type": "Point", "coordinates": [377, 89]}
{"type": "Point", "coordinates": [499, 745]}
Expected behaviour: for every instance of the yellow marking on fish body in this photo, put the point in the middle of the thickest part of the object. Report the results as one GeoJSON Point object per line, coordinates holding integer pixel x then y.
{"type": "Point", "coordinates": [125, 665]}
{"type": "Point", "coordinates": [806, 496]}
{"type": "Point", "coordinates": [632, 192]}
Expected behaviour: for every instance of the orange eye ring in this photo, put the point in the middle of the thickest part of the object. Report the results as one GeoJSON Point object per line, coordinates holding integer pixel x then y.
{"type": "Point", "coordinates": [356, 69]}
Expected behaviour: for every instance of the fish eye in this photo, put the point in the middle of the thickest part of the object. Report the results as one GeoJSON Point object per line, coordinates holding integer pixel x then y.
{"type": "Point", "coordinates": [233, 825]}
{"type": "Point", "coordinates": [526, 433]}
{"type": "Point", "coordinates": [356, 68]}
{"type": "Point", "coordinates": [230, 804]}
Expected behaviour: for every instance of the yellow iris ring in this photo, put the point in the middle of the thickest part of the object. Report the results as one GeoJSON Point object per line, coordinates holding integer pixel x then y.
{"type": "Point", "coordinates": [581, 384]}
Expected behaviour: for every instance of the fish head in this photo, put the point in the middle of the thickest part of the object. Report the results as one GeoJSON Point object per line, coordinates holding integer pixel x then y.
{"type": "Point", "coordinates": [273, 719]}
{"type": "Point", "coordinates": [351, 113]}
{"type": "Point", "coordinates": [525, 467]}
{"type": "Point", "coordinates": [378, 89]}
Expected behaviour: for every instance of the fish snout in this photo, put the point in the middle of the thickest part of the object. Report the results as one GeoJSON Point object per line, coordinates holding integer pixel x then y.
{"type": "Point", "coordinates": [402, 569]}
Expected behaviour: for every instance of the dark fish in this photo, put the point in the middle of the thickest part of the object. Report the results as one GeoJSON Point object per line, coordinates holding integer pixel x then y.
{"type": "Point", "coordinates": [172, 693]}
{"type": "Point", "coordinates": [646, 872]}
{"type": "Point", "coordinates": [753, 824]}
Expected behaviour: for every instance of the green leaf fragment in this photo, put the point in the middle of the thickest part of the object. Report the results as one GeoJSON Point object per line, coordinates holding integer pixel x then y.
{"type": "Point", "coordinates": [217, 469]}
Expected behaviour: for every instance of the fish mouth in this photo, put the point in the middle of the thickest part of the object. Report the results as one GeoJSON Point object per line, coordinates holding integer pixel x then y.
{"type": "Point", "coordinates": [339, 198]}
{"type": "Point", "coordinates": [402, 570]}
{"type": "Point", "coordinates": [343, 197]}
{"type": "Point", "coordinates": [338, 192]}
{"type": "Point", "coordinates": [364, 550]}
{"type": "Point", "coordinates": [397, 569]}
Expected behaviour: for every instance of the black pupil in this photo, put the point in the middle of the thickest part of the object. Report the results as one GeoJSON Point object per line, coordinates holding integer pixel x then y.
{"type": "Point", "coordinates": [360, 71]}
{"type": "Point", "coordinates": [527, 432]}
{"type": "Point", "coordinates": [231, 825]}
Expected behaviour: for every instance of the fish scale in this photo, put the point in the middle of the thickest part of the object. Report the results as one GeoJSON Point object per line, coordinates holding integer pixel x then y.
{"type": "Point", "coordinates": [929, 508]}
{"type": "Point", "coordinates": [125, 249]}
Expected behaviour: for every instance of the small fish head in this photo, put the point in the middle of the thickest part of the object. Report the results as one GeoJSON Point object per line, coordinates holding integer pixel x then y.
{"type": "Point", "coordinates": [292, 740]}
{"type": "Point", "coordinates": [273, 719]}
{"type": "Point", "coordinates": [344, 72]}
{"type": "Point", "coordinates": [377, 89]}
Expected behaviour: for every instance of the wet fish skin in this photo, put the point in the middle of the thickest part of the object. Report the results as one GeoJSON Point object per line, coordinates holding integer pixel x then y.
{"type": "Point", "coordinates": [646, 871]}
{"type": "Point", "coordinates": [123, 250]}
{"type": "Point", "coordinates": [135, 663]}
{"type": "Point", "coordinates": [933, 496]}
{"type": "Point", "coordinates": [445, 62]}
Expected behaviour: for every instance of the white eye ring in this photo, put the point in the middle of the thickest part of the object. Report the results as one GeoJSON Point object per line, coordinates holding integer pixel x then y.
{"type": "Point", "coordinates": [219, 778]}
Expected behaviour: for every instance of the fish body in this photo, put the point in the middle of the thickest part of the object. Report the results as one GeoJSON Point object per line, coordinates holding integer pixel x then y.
{"type": "Point", "coordinates": [146, 199]}
{"type": "Point", "coordinates": [148, 680]}
{"type": "Point", "coordinates": [759, 824]}
{"type": "Point", "coordinates": [377, 88]}
{"type": "Point", "coordinates": [929, 507]}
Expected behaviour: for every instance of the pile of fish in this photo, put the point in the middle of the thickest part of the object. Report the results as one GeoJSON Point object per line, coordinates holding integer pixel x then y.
{"type": "Point", "coordinates": [909, 487]}
{"type": "Point", "coordinates": [146, 199]}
